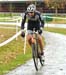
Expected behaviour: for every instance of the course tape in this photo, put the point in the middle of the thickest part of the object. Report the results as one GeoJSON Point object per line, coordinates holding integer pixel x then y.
{"type": "Point", "coordinates": [54, 17]}
{"type": "Point", "coordinates": [10, 39]}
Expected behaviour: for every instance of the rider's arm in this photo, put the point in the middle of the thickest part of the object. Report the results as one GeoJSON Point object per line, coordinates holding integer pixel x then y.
{"type": "Point", "coordinates": [41, 20]}
{"type": "Point", "coordinates": [22, 25]}
{"type": "Point", "coordinates": [23, 21]}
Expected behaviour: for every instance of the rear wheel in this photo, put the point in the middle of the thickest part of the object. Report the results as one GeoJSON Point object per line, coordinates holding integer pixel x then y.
{"type": "Point", "coordinates": [41, 61]}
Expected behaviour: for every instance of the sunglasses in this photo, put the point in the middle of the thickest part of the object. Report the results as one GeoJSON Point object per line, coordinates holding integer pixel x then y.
{"type": "Point", "coordinates": [30, 12]}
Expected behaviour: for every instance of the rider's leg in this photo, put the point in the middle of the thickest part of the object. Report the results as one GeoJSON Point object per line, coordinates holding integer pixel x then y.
{"type": "Point", "coordinates": [41, 43]}
{"type": "Point", "coordinates": [29, 39]}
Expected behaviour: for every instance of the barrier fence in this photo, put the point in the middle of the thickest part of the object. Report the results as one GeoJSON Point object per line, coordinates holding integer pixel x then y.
{"type": "Point", "coordinates": [16, 23]}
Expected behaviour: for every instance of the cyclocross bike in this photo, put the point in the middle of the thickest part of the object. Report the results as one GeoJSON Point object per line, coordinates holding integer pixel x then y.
{"type": "Point", "coordinates": [35, 50]}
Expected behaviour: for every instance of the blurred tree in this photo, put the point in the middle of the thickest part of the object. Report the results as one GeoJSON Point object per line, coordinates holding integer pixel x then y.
{"type": "Point", "coordinates": [55, 4]}
{"type": "Point", "coordinates": [10, 7]}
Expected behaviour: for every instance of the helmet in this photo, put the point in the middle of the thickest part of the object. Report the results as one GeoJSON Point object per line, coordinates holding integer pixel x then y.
{"type": "Point", "coordinates": [31, 8]}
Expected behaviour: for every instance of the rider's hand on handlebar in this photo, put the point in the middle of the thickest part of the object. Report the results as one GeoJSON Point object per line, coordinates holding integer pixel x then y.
{"type": "Point", "coordinates": [40, 31]}
{"type": "Point", "coordinates": [23, 34]}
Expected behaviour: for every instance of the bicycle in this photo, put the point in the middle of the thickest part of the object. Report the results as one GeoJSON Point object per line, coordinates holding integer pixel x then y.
{"type": "Point", "coordinates": [35, 50]}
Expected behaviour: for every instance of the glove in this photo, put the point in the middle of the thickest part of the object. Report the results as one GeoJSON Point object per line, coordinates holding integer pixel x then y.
{"type": "Point", "coordinates": [23, 34]}
{"type": "Point", "coordinates": [40, 31]}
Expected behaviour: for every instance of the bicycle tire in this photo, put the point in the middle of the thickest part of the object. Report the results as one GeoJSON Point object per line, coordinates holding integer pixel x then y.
{"type": "Point", "coordinates": [41, 61]}
{"type": "Point", "coordinates": [40, 58]}
{"type": "Point", "coordinates": [35, 56]}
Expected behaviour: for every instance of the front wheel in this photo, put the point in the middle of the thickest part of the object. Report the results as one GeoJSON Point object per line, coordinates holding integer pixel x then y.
{"type": "Point", "coordinates": [35, 56]}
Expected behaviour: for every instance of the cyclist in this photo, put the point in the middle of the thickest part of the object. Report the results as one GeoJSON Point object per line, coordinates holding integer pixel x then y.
{"type": "Point", "coordinates": [36, 21]}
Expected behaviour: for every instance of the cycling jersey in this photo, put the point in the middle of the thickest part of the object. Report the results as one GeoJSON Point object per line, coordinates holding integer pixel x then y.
{"type": "Point", "coordinates": [35, 21]}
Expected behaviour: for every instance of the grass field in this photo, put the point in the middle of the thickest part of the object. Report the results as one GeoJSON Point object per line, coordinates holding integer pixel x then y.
{"type": "Point", "coordinates": [6, 33]}
{"type": "Point", "coordinates": [8, 14]}
{"type": "Point", "coordinates": [56, 30]}
{"type": "Point", "coordinates": [11, 55]}
{"type": "Point", "coordinates": [58, 21]}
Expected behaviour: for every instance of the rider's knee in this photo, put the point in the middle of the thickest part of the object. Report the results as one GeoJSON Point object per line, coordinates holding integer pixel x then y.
{"type": "Point", "coordinates": [28, 38]}
{"type": "Point", "coordinates": [40, 38]}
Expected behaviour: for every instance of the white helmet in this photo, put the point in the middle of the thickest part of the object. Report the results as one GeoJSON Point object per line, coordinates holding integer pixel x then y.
{"type": "Point", "coordinates": [31, 8]}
